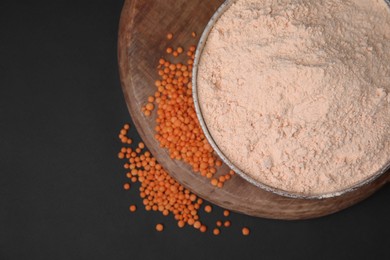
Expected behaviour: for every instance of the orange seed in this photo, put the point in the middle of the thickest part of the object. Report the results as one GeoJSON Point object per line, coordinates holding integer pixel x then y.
{"type": "Point", "coordinates": [159, 227]}
{"type": "Point", "coordinates": [133, 208]}
{"type": "Point", "coordinates": [245, 231]}
{"type": "Point", "coordinates": [208, 208]}
{"type": "Point", "coordinates": [126, 186]}
{"type": "Point", "coordinates": [216, 231]}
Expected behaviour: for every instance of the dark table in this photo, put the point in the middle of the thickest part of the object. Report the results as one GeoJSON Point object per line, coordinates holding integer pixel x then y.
{"type": "Point", "coordinates": [61, 195]}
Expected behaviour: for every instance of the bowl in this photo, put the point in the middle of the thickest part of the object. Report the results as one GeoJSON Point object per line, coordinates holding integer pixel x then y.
{"type": "Point", "coordinates": [212, 142]}
{"type": "Point", "coordinates": [141, 42]}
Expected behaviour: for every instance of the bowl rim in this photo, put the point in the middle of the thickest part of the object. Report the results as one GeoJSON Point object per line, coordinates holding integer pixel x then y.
{"type": "Point", "coordinates": [201, 44]}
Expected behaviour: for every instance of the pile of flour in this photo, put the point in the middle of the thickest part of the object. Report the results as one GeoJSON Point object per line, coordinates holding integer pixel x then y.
{"type": "Point", "coordinates": [296, 93]}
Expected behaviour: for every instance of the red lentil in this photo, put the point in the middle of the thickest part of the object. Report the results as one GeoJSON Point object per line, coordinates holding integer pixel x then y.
{"type": "Point", "coordinates": [216, 231]}
{"type": "Point", "coordinates": [245, 231]}
{"type": "Point", "coordinates": [159, 227]}
{"type": "Point", "coordinates": [126, 186]}
{"type": "Point", "coordinates": [208, 208]}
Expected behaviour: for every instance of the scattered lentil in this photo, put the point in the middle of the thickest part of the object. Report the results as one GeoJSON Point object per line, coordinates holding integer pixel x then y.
{"type": "Point", "coordinates": [159, 227]}
{"type": "Point", "coordinates": [245, 231]}
{"type": "Point", "coordinates": [126, 186]}
{"type": "Point", "coordinates": [203, 228]}
{"type": "Point", "coordinates": [216, 231]}
{"type": "Point", "coordinates": [208, 208]}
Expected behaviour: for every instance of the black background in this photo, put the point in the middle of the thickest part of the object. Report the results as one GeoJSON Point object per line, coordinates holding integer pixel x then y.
{"type": "Point", "coordinates": [61, 193]}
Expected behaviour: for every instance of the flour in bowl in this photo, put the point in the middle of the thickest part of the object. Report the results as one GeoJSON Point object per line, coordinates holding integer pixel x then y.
{"type": "Point", "coordinates": [296, 93]}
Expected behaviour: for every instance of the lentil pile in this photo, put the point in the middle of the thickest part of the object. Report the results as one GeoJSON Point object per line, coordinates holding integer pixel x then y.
{"type": "Point", "coordinates": [160, 192]}
{"type": "Point", "coordinates": [177, 126]}
{"type": "Point", "coordinates": [178, 130]}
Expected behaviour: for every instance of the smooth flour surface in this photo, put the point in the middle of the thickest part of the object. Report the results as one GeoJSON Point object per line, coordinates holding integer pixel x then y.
{"type": "Point", "coordinates": [296, 92]}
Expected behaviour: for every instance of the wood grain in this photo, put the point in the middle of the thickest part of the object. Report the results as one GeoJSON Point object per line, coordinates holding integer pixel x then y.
{"type": "Point", "coordinates": [142, 41]}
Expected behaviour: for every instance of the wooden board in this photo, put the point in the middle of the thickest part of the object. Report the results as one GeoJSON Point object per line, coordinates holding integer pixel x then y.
{"type": "Point", "coordinates": [142, 41]}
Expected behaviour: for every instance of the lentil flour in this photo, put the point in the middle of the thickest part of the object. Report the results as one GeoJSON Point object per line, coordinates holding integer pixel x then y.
{"type": "Point", "coordinates": [296, 92]}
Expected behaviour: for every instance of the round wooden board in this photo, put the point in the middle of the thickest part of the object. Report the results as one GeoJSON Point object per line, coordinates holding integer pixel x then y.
{"type": "Point", "coordinates": [142, 41]}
